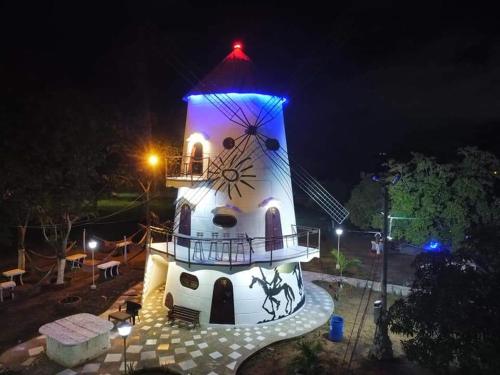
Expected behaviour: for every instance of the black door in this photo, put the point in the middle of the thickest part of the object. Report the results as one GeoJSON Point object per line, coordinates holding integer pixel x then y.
{"type": "Point", "coordinates": [184, 225]}
{"type": "Point", "coordinates": [274, 236]}
{"type": "Point", "coordinates": [222, 302]}
{"type": "Point", "coordinates": [197, 159]}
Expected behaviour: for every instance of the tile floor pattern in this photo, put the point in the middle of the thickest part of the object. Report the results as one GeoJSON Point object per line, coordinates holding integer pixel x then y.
{"type": "Point", "coordinates": [204, 350]}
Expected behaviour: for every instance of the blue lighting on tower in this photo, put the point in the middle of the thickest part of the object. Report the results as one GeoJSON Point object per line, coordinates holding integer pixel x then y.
{"type": "Point", "coordinates": [266, 98]}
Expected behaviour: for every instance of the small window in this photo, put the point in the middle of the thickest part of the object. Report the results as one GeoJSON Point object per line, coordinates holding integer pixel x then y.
{"type": "Point", "coordinates": [224, 220]}
{"type": "Point", "coordinates": [189, 281]}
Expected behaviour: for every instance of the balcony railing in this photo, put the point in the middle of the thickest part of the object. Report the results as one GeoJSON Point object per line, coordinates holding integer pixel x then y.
{"type": "Point", "coordinates": [187, 168]}
{"type": "Point", "coordinates": [304, 242]}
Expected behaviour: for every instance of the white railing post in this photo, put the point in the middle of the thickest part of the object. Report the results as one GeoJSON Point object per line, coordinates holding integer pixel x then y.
{"type": "Point", "coordinates": [307, 236]}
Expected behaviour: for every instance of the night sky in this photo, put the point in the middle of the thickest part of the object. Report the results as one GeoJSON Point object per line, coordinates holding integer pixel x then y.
{"type": "Point", "coordinates": [362, 78]}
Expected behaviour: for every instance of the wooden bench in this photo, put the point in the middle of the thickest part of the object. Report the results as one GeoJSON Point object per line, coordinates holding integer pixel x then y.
{"type": "Point", "coordinates": [185, 314]}
{"type": "Point", "coordinates": [7, 285]}
{"type": "Point", "coordinates": [111, 265]}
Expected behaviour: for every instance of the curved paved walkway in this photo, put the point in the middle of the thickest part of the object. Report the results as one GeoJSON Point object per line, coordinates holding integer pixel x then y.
{"type": "Point", "coordinates": [211, 349]}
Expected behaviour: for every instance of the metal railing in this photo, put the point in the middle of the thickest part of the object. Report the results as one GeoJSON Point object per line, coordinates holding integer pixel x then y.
{"type": "Point", "coordinates": [187, 167]}
{"type": "Point", "coordinates": [198, 250]}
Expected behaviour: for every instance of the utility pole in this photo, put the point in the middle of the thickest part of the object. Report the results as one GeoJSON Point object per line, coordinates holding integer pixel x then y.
{"type": "Point", "coordinates": [382, 346]}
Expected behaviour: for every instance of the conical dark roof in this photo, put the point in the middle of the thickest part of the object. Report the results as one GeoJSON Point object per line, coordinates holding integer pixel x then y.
{"type": "Point", "coordinates": [235, 74]}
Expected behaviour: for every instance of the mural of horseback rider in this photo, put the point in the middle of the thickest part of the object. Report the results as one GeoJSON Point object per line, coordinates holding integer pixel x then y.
{"type": "Point", "coordinates": [272, 289]}
{"type": "Point", "coordinates": [298, 273]}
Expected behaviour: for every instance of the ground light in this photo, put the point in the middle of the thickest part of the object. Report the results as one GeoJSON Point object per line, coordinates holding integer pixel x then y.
{"type": "Point", "coordinates": [124, 330]}
{"type": "Point", "coordinates": [339, 232]}
{"type": "Point", "coordinates": [92, 245]}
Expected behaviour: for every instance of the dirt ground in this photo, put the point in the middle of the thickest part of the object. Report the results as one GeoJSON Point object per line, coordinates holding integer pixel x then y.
{"type": "Point", "coordinates": [355, 244]}
{"type": "Point", "coordinates": [276, 359]}
{"type": "Point", "coordinates": [35, 305]}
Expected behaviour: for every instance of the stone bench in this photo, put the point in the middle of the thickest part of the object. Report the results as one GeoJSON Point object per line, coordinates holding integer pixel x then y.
{"type": "Point", "coordinates": [76, 339]}
{"type": "Point", "coordinates": [7, 285]}
{"type": "Point", "coordinates": [76, 260]}
{"type": "Point", "coordinates": [111, 265]}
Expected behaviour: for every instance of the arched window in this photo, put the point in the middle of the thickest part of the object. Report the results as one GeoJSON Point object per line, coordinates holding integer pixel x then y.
{"type": "Point", "coordinates": [274, 236]}
{"type": "Point", "coordinates": [197, 159]}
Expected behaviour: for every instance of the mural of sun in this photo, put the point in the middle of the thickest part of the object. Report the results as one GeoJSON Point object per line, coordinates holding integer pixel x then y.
{"type": "Point", "coordinates": [230, 173]}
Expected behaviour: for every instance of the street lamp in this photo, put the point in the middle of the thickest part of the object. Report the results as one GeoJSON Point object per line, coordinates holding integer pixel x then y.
{"type": "Point", "coordinates": [339, 232]}
{"type": "Point", "coordinates": [92, 245]}
{"type": "Point", "coordinates": [124, 330]}
{"type": "Point", "coordinates": [152, 160]}
{"type": "Point", "coordinates": [382, 346]}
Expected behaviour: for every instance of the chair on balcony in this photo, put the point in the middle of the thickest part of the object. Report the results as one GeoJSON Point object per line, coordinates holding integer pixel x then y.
{"type": "Point", "coordinates": [198, 246]}
{"type": "Point", "coordinates": [240, 247]}
{"type": "Point", "coordinates": [226, 245]}
{"type": "Point", "coordinates": [214, 245]}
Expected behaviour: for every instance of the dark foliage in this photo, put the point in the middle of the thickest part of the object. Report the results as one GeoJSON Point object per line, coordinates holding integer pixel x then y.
{"type": "Point", "coordinates": [452, 315]}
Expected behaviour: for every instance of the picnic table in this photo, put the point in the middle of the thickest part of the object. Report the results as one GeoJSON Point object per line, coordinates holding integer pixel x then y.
{"type": "Point", "coordinates": [111, 265]}
{"type": "Point", "coordinates": [15, 272]}
{"type": "Point", "coordinates": [76, 260]}
{"type": "Point", "coordinates": [77, 338]}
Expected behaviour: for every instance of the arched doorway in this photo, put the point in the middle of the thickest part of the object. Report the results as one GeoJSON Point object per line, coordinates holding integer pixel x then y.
{"type": "Point", "coordinates": [222, 302]}
{"type": "Point", "coordinates": [184, 225]}
{"type": "Point", "coordinates": [197, 159]}
{"type": "Point", "coordinates": [274, 236]}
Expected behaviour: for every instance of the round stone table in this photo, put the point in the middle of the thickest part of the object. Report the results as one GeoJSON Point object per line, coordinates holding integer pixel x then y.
{"type": "Point", "coordinates": [76, 339]}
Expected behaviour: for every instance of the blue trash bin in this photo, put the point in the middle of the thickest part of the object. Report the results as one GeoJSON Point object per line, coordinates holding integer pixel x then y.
{"type": "Point", "coordinates": [336, 328]}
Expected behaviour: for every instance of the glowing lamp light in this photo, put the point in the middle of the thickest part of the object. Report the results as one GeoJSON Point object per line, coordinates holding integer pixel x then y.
{"type": "Point", "coordinates": [237, 45]}
{"type": "Point", "coordinates": [153, 160]}
{"type": "Point", "coordinates": [92, 244]}
{"type": "Point", "coordinates": [339, 231]}
{"type": "Point", "coordinates": [124, 329]}
{"type": "Point", "coordinates": [433, 245]}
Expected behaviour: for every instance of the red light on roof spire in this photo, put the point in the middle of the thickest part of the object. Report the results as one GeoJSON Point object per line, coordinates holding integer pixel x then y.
{"type": "Point", "coordinates": [237, 45]}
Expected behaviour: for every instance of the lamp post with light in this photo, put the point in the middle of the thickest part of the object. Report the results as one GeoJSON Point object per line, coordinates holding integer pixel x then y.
{"type": "Point", "coordinates": [152, 161]}
{"type": "Point", "coordinates": [339, 232]}
{"type": "Point", "coordinates": [92, 245]}
{"type": "Point", "coordinates": [124, 330]}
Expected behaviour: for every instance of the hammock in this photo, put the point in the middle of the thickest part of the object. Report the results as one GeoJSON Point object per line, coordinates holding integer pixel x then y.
{"type": "Point", "coordinates": [113, 245]}
{"type": "Point", "coordinates": [71, 246]}
{"type": "Point", "coordinates": [33, 265]}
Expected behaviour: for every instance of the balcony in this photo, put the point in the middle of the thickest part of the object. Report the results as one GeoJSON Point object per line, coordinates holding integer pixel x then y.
{"type": "Point", "coordinates": [300, 246]}
{"type": "Point", "coordinates": [186, 171]}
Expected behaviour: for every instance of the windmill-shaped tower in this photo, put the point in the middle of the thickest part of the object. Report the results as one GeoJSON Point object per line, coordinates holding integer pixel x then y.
{"type": "Point", "coordinates": [235, 250]}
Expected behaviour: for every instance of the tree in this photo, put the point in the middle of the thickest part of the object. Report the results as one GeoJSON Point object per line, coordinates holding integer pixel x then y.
{"type": "Point", "coordinates": [365, 204]}
{"type": "Point", "coordinates": [446, 201]}
{"type": "Point", "coordinates": [21, 185]}
{"type": "Point", "coordinates": [443, 201]}
{"type": "Point", "coordinates": [58, 153]}
{"type": "Point", "coordinates": [451, 317]}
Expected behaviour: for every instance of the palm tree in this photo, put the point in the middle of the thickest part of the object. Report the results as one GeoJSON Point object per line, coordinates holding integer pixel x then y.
{"type": "Point", "coordinates": [344, 262]}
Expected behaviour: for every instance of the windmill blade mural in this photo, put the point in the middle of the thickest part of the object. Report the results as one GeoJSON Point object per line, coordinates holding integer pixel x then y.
{"type": "Point", "coordinates": [235, 205]}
